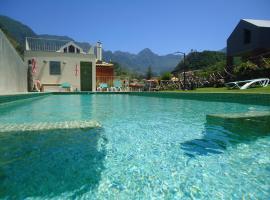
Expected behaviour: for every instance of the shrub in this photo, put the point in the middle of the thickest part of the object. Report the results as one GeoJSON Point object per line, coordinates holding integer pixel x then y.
{"type": "Point", "coordinates": [166, 76]}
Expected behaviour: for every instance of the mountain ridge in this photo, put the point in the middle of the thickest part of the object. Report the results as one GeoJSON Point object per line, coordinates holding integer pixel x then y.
{"type": "Point", "coordinates": [137, 62]}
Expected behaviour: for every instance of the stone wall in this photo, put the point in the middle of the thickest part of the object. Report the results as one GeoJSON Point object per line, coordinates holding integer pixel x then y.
{"type": "Point", "coordinates": [13, 71]}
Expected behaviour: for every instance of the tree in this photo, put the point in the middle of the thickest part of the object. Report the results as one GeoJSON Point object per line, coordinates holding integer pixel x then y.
{"type": "Point", "coordinates": [149, 73]}
{"type": "Point", "coordinates": [200, 60]}
{"type": "Point", "coordinates": [117, 68]}
{"type": "Point", "coordinates": [250, 70]}
{"type": "Point", "coordinates": [166, 76]}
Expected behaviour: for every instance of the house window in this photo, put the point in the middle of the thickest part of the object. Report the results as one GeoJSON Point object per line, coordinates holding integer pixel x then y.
{"type": "Point", "coordinates": [71, 49]}
{"type": "Point", "coordinates": [55, 68]}
{"type": "Point", "coordinates": [65, 50]}
{"type": "Point", "coordinates": [78, 50]}
{"type": "Point", "coordinates": [247, 36]}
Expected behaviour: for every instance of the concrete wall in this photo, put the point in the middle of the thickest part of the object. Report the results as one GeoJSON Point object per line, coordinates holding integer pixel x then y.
{"type": "Point", "coordinates": [265, 37]}
{"type": "Point", "coordinates": [13, 71]}
{"type": "Point", "coordinates": [68, 65]}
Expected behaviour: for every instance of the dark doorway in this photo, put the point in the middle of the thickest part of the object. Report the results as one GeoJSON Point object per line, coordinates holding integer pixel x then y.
{"type": "Point", "coordinates": [86, 76]}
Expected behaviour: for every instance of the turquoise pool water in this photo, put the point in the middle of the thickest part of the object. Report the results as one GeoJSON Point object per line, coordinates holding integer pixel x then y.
{"type": "Point", "coordinates": [147, 148]}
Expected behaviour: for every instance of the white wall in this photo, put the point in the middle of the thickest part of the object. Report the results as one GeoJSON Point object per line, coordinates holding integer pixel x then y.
{"type": "Point", "coordinates": [13, 71]}
{"type": "Point", "coordinates": [68, 64]}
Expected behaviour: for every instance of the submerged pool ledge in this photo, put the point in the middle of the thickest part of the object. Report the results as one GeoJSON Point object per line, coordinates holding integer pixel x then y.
{"type": "Point", "coordinates": [45, 126]}
{"type": "Point", "coordinates": [245, 115]}
{"type": "Point", "coordinates": [243, 98]}
{"type": "Point", "coordinates": [246, 123]}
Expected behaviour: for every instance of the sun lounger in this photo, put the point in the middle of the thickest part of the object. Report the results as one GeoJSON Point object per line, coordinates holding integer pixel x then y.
{"type": "Point", "coordinates": [117, 86]}
{"type": "Point", "coordinates": [242, 85]}
{"type": "Point", "coordinates": [103, 86]}
{"type": "Point", "coordinates": [66, 86]}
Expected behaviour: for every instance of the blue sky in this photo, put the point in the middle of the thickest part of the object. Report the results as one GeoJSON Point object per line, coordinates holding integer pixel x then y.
{"type": "Point", "coordinates": [164, 26]}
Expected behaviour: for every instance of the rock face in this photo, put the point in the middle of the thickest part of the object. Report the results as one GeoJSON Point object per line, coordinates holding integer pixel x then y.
{"type": "Point", "coordinates": [44, 126]}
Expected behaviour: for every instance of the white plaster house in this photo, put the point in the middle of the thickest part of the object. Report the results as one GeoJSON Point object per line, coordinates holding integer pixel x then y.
{"type": "Point", "coordinates": [55, 62]}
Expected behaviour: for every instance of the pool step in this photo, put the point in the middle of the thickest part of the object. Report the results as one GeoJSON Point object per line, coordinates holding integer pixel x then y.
{"type": "Point", "coordinates": [248, 123]}
{"type": "Point", "coordinates": [246, 115]}
{"type": "Point", "coordinates": [46, 126]}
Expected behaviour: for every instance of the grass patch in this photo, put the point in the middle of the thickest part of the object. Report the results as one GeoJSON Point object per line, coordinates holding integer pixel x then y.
{"type": "Point", "coordinates": [259, 90]}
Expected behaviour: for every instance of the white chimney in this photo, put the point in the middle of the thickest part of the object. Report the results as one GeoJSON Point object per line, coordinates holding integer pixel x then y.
{"type": "Point", "coordinates": [99, 50]}
{"type": "Point", "coordinates": [26, 45]}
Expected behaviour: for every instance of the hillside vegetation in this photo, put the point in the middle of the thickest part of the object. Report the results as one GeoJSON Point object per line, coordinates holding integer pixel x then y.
{"type": "Point", "coordinates": [210, 65]}
{"type": "Point", "coordinates": [13, 41]}
{"type": "Point", "coordinates": [16, 29]}
{"type": "Point", "coordinates": [202, 60]}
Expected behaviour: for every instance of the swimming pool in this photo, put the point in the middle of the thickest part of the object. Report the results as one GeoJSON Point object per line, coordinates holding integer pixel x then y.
{"type": "Point", "coordinates": [147, 148]}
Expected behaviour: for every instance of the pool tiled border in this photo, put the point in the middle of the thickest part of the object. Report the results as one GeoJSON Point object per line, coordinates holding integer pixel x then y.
{"type": "Point", "coordinates": [243, 98]}
{"type": "Point", "coordinates": [7, 98]}
{"type": "Point", "coordinates": [100, 93]}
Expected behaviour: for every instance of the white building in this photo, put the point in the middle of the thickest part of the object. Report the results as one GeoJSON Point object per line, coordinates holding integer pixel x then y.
{"type": "Point", "coordinates": [13, 71]}
{"type": "Point", "coordinates": [57, 62]}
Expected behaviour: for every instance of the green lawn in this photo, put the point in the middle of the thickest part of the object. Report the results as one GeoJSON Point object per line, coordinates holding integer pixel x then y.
{"type": "Point", "coordinates": [225, 90]}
